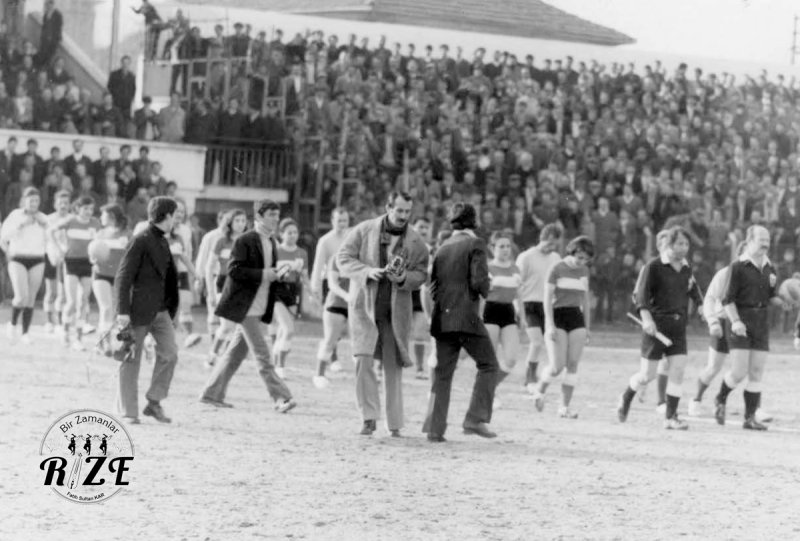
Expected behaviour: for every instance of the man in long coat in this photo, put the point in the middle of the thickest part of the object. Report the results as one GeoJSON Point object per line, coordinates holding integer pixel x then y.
{"type": "Point", "coordinates": [385, 261]}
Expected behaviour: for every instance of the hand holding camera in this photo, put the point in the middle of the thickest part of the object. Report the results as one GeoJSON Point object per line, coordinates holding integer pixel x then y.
{"type": "Point", "coordinates": [396, 269]}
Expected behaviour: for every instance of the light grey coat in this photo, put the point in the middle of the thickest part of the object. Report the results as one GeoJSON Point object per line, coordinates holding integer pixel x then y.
{"type": "Point", "coordinates": [359, 252]}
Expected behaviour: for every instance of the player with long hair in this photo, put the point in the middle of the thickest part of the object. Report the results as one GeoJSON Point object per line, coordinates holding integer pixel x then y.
{"type": "Point", "coordinates": [232, 225]}
{"type": "Point", "coordinates": [292, 265]}
{"type": "Point", "coordinates": [663, 291]}
{"type": "Point", "coordinates": [105, 253]}
{"type": "Point", "coordinates": [567, 310]}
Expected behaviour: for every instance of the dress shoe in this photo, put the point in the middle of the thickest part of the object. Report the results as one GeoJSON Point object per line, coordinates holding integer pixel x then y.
{"type": "Point", "coordinates": [719, 412]}
{"type": "Point", "coordinates": [435, 438]}
{"type": "Point", "coordinates": [154, 410]}
{"type": "Point", "coordinates": [752, 424]}
{"type": "Point", "coordinates": [369, 427]}
{"type": "Point", "coordinates": [395, 433]}
{"type": "Point", "coordinates": [479, 429]}
{"type": "Point", "coordinates": [286, 406]}
{"type": "Point", "coordinates": [215, 403]}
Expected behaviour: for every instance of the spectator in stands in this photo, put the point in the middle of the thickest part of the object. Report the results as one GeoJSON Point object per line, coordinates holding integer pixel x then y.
{"type": "Point", "coordinates": [136, 209]}
{"type": "Point", "coordinates": [239, 42]}
{"type": "Point", "coordinates": [153, 25]}
{"type": "Point", "coordinates": [145, 121]}
{"type": "Point", "coordinates": [128, 185]}
{"type": "Point", "coordinates": [172, 120]}
{"type": "Point", "coordinates": [23, 108]}
{"type": "Point", "coordinates": [122, 87]}
{"type": "Point", "coordinates": [107, 119]}
{"type": "Point", "coordinates": [201, 124]}
{"type": "Point", "coordinates": [52, 24]}
{"type": "Point", "coordinates": [58, 75]}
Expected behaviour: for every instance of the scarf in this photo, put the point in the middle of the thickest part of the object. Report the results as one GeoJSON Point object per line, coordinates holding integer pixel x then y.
{"type": "Point", "coordinates": [387, 231]}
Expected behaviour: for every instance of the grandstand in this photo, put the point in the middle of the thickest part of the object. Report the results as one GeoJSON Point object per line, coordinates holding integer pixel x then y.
{"type": "Point", "coordinates": [523, 18]}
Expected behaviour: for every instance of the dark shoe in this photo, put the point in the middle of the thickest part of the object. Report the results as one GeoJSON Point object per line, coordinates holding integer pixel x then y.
{"type": "Point", "coordinates": [155, 411]}
{"type": "Point", "coordinates": [751, 424]}
{"type": "Point", "coordinates": [478, 429]}
{"type": "Point", "coordinates": [395, 433]}
{"type": "Point", "coordinates": [623, 408]}
{"type": "Point", "coordinates": [719, 412]}
{"type": "Point", "coordinates": [286, 406]}
{"type": "Point", "coordinates": [132, 420]}
{"type": "Point", "coordinates": [435, 438]}
{"type": "Point", "coordinates": [369, 427]}
{"type": "Point", "coordinates": [215, 403]}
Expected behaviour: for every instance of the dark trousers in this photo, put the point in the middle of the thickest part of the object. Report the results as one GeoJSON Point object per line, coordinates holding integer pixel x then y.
{"type": "Point", "coordinates": [448, 346]}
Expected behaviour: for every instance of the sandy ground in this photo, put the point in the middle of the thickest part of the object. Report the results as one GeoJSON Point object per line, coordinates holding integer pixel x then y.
{"type": "Point", "coordinates": [249, 473]}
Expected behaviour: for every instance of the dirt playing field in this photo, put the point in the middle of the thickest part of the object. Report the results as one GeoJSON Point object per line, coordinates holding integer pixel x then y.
{"type": "Point", "coordinates": [249, 473]}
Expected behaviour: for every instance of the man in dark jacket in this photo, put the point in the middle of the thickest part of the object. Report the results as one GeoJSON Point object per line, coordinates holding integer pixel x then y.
{"type": "Point", "coordinates": [248, 299]}
{"type": "Point", "coordinates": [122, 87]}
{"type": "Point", "coordinates": [147, 300]}
{"type": "Point", "coordinates": [459, 277]}
{"type": "Point", "coordinates": [52, 24]}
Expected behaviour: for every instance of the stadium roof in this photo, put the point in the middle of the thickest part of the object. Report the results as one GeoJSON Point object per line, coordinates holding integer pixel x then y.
{"type": "Point", "coordinates": [519, 18]}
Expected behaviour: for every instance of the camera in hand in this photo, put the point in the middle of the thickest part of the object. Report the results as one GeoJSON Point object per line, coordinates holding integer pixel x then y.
{"type": "Point", "coordinates": [125, 345]}
{"type": "Point", "coordinates": [397, 264]}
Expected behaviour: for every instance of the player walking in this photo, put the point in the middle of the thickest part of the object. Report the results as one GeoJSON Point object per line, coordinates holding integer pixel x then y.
{"type": "Point", "coordinates": [23, 239]}
{"type": "Point", "coordinates": [334, 322]}
{"type": "Point", "coordinates": [79, 229]}
{"type": "Point", "coordinates": [567, 311]}
{"type": "Point", "coordinates": [327, 247]}
{"type": "Point", "coordinates": [292, 268]}
{"type": "Point", "coordinates": [752, 287]}
{"type": "Point", "coordinates": [662, 297]}
{"type": "Point", "coordinates": [499, 314]}
{"type": "Point", "coordinates": [533, 265]}
{"type": "Point", "coordinates": [112, 239]}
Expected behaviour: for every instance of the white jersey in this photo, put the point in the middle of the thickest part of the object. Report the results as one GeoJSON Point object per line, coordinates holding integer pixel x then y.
{"type": "Point", "coordinates": [712, 302]}
{"type": "Point", "coordinates": [533, 267]}
{"type": "Point", "coordinates": [56, 250]}
{"type": "Point", "coordinates": [25, 234]}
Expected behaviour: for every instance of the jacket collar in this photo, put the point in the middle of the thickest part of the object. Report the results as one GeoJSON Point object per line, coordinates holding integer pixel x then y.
{"type": "Point", "coordinates": [665, 261]}
{"type": "Point", "coordinates": [467, 232]}
{"type": "Point", "coordinates": [747, 258]}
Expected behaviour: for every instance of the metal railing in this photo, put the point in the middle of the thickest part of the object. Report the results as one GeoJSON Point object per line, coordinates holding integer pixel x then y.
{"type": "Point", "coordinates": [252, 164]}
{"type": "Point", "coordinates": [210, 78]}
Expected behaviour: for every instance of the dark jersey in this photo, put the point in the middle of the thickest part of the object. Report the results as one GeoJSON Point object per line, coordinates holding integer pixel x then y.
{"type": "Point", "coordinates": [662, 290]}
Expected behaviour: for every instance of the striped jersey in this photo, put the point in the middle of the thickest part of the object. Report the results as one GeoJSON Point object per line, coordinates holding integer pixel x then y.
{"type": "Point", "coordinates": [117, 241]}
{"type": "Point", "coordinates": [571, 283]}
{"type": "Point", "coordinates": [296, 260]}
{"type": "Point", "coordinates": [505, 282]}
{"type": "Point", "coordinates": [79, 234]}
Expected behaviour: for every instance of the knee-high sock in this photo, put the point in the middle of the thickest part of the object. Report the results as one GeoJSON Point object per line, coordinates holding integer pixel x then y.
{"type": "Point", "coordinates": [530, 375]}
{"type": "Point", "coordinates": [15, 312]}
{"type": "Point", "coordinates": [27, 317]}
{"type": "Point", "coordinates": [750, 403]}
{"type": "Point", "coordinates": [701, 388]}
{"type": "Point", "coordinates": [724, 391]}
{"type": "Point", "coordinates": [419, 353]}
{"type": "Point", "coordinates": [663, 379]}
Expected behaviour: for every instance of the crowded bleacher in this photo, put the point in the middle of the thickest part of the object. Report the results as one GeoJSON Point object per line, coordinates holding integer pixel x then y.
{"type": "Point", "coordinates": [615, 152]}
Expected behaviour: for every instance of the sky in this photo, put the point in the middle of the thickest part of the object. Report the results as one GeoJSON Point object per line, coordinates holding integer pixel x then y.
{"type": "Point", "coordinates": [754, 30]}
